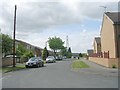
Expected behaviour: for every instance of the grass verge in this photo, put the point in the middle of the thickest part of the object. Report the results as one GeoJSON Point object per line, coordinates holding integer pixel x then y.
{"type": "Point", "coordinates": [9, 69]}
{"type": "Point", "coordinates": [79, 64]}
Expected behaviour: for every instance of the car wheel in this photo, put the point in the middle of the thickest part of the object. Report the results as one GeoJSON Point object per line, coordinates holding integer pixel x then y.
{"type": "Point", "coordinates": [38, 65]}
{"type": "Point", "coordinates": [42, 64]}
{"type": "Point", "coordinates": [26, 66]}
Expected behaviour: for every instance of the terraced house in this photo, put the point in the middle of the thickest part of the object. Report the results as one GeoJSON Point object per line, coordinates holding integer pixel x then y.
{"type": "Point", "coordinates": [37, 51]}
{"type": "Point", "coordinates": [110, 41]}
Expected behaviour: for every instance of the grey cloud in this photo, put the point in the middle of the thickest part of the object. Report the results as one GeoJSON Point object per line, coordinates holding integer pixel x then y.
{"type": "Point", "coordinates": [36, 17]}
{"type": "Point", "coordinates": [94, 10]}
{"type": "Point", "coordinates": [43, 15]}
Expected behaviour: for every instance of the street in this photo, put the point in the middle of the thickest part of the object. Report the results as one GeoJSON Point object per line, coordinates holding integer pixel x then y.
{"type": "Point", "coordinates": [61, 75]}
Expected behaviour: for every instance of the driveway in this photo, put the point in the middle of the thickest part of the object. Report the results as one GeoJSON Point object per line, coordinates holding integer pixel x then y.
{"type": "Point", "coordinates": [61, 75]}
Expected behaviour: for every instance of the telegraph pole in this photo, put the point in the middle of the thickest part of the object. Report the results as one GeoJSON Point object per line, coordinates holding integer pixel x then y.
{"type": "Point", "coordinates": [14, 36]}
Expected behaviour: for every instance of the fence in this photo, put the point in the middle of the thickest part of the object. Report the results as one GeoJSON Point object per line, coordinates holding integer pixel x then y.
{"type": "Point", "coordinates": [100, 54]}
{"type": "Point", "coordinates": [9, 61]}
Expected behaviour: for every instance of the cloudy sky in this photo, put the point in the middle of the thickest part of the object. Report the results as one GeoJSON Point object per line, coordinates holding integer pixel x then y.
{"type": "Point", "coordinates": [38, 20]}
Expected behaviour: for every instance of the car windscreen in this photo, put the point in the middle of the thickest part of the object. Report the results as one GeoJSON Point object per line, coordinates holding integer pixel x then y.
{"type": "Point", "coordinates": [50, 57]}
{"type": "Point", "coordinates": [33, 59]}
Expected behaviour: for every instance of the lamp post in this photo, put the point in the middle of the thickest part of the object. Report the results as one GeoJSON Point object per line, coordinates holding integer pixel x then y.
{"type": "Point", "coordinates": [14, 36]}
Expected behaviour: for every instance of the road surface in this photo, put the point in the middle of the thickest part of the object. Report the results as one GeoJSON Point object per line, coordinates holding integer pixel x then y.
{"type": "Point", "coordinates": [61, 75]}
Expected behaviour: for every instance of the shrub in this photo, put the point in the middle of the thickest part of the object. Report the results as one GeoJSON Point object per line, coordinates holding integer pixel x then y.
{"type": "Point", "coordinates": [114, 66]}
{"type": "Point", "coordinates": [28, 55]}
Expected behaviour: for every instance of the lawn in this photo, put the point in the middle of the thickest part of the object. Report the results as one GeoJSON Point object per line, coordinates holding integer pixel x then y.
{"type": "Point", "coordinates": [79, 64]}
{"type": "Point", "coordinates": [9, 69]}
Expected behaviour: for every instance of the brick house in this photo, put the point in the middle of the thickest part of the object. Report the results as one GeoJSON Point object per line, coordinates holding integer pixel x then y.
{"type": "Point", "coordinates": [90, 52]}
{"type": "Point", "coordinates": [110, 41]}
{"type": "Point", "coordinates": [97, 45]}
{"type": "Point", "coordinates": [36, 50]}
{"type": "Point", "coordinates": [110, 34]}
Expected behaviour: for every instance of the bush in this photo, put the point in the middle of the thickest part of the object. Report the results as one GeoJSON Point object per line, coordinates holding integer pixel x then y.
{"type": "Point", "coordinates": [28, 55]}
{"type": "Point", "coordinates": [114, 66]}
{"type": "Point", "coordinates": [69, 55]}
{"type": "Point", "coordinates": [45, 54]}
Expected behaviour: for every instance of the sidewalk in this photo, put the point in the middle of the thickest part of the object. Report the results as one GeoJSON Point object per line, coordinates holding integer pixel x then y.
{"type": "Point", "coordinates": [97, 69]}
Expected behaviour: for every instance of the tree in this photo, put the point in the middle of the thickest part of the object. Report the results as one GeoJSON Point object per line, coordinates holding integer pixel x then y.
{"type": "Point", "coordinates": [69, 49]}
{"type": "Point", "coordinates": [20, 50]}
{"type": "Point", "coordinates": [69, 53]}
{"type": "Point", "coordinates": [80, 55]}
{"type": "Point", "coordinates": [45, 53]}
{"type": "Point", "coordinates": [64, 51]}
{"type": "Point", "coordinates": [7, 43]}
{"type": "Point", "coordinates": [28, 54]}
{"type": "Point", "coordinates": [55, 44]}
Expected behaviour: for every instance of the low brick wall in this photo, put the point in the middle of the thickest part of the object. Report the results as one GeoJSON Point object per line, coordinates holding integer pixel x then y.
{"type": "Point", "coordinates": [105, 61]}
{"type": "Point", "coordinates": [7, 61]}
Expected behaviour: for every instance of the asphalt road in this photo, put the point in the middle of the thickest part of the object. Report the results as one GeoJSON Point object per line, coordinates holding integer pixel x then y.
{"type": "Point", "coordinates": [61, 75]}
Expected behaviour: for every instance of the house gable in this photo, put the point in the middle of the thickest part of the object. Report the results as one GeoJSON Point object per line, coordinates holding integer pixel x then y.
{"type": "Point", "coordinates": [108, 36]}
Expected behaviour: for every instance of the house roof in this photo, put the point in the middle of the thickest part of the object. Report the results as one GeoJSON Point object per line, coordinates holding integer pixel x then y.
{"type": "Point", "coordinates": [114, 16]}
{"type": "Point", "coordinates": [90, 51]}
{"type": "Point", "coordinates": [28, 44]}
{"type": "Point", "coordinates": [98, 40]}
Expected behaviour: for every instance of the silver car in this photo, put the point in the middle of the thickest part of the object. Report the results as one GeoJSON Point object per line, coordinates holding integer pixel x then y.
{"type": "Point", "coordinates": [34, 62]}
{"type": "Point", "coordinates": [50, 59]}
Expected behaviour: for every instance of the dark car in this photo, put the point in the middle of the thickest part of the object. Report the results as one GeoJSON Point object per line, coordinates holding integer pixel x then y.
{"type": "Point", "coordinates": [34, 62]}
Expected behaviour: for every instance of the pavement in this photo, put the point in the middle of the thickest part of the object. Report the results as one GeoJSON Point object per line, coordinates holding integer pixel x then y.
{"type": "Point", "coordinates": [98, 69]}
{"type": "Point", "coordinates": [61, 75]}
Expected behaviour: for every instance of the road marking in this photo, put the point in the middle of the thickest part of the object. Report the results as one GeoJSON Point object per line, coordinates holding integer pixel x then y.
{"type": "Point", "coordinates": [4, 77]}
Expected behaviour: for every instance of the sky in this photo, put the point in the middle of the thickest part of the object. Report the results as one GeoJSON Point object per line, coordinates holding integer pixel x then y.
{"type": "Point", "coordinates": [38, 20]}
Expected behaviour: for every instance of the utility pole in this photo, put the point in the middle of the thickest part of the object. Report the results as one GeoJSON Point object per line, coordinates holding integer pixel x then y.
{"type": "Point", "coordinates": [14, 37]}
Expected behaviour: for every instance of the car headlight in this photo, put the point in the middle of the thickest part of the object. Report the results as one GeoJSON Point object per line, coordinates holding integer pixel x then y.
{"type": "Point", "coordinates": [26, 63]}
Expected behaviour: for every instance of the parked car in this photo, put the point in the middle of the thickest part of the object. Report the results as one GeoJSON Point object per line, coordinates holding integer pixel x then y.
{"type": "Point", "coordinates": [58, 58]}
{"type": "Point", "coordinates": [50, 59]}
{"type": "Point", "coordinates": [11, 56]}
{"type": "Point", "coordinates": [35, 62]}
{"type": "Point", "coordinates": [64, 57]}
